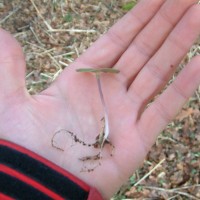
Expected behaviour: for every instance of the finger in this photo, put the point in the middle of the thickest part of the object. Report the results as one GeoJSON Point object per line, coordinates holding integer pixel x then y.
{"type": "Point", "coordinates": [159, 69]}
{"type": "Point", "coordinates": [107, 50]}
{"type": "Point", "coordinates": [167, 105]}
{"type": "Point", "coordinates": [12, 66]}
{"type": "Point", "coordinates": [151, 38]}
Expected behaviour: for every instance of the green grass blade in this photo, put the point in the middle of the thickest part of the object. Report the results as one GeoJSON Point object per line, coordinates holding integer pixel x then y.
{"type": "Point", "coordinates": [128, 6]}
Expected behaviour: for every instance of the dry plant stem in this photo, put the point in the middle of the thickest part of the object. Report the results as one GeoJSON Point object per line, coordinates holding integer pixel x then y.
{"type": "Point", "coordinates": [98, 71]}
{"type": "Point", "coordinates": [149, 173]}
{"type": "Point", "coordinates": [105, 133]}
{"type": "Point", "coordinates": [173, 191]}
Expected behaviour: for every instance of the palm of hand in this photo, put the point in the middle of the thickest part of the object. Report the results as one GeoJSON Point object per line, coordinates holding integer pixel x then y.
{"type": "Point", "coordinates": [72, 103]}
{"type": "Point", "coordinates": [32, 122]}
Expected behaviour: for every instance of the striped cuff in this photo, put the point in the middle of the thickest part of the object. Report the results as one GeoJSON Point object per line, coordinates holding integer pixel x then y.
{"type": "Point", "coordinates": [26, 175]}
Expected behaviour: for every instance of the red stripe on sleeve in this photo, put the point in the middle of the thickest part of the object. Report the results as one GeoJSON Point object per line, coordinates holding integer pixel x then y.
{"type": "Point", "coordinates": [5, 197]}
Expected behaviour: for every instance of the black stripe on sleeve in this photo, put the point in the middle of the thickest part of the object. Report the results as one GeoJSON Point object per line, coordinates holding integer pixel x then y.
{"type": "Point", "coordinates": [15, 188]}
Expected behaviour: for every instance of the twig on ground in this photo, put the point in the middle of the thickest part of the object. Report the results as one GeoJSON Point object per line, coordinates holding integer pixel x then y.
{"type": "Point", "coordinates": [36, 37]}
{"type": "Point", "coordinates": [149, 173]}
{"type": "Point", "coordinates": [63, 63]}
{"type": "Point", "coordinates": [174, 191]}
{"type": "Point", "coordinates": [9, 15]}
{"type": "Point", "coordinates": [40, 15]}
{"type": "Point", "coordinates": [72, 30]}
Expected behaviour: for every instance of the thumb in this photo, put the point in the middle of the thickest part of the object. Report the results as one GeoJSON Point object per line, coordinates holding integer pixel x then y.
{"type": "Point", "coordinates": [12, 66]}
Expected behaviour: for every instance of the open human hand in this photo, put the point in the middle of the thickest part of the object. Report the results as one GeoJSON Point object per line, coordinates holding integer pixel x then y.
{"type": "Point", "coordinates": [146, 45]}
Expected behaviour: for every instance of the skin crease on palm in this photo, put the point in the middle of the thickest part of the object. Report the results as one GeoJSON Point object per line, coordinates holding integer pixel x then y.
{"type": "Point", "coordinates": [146, 45]}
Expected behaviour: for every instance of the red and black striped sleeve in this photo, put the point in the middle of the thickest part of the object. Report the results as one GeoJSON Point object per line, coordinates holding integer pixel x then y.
{"type": "Point", "coordinates": [26, 175]}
